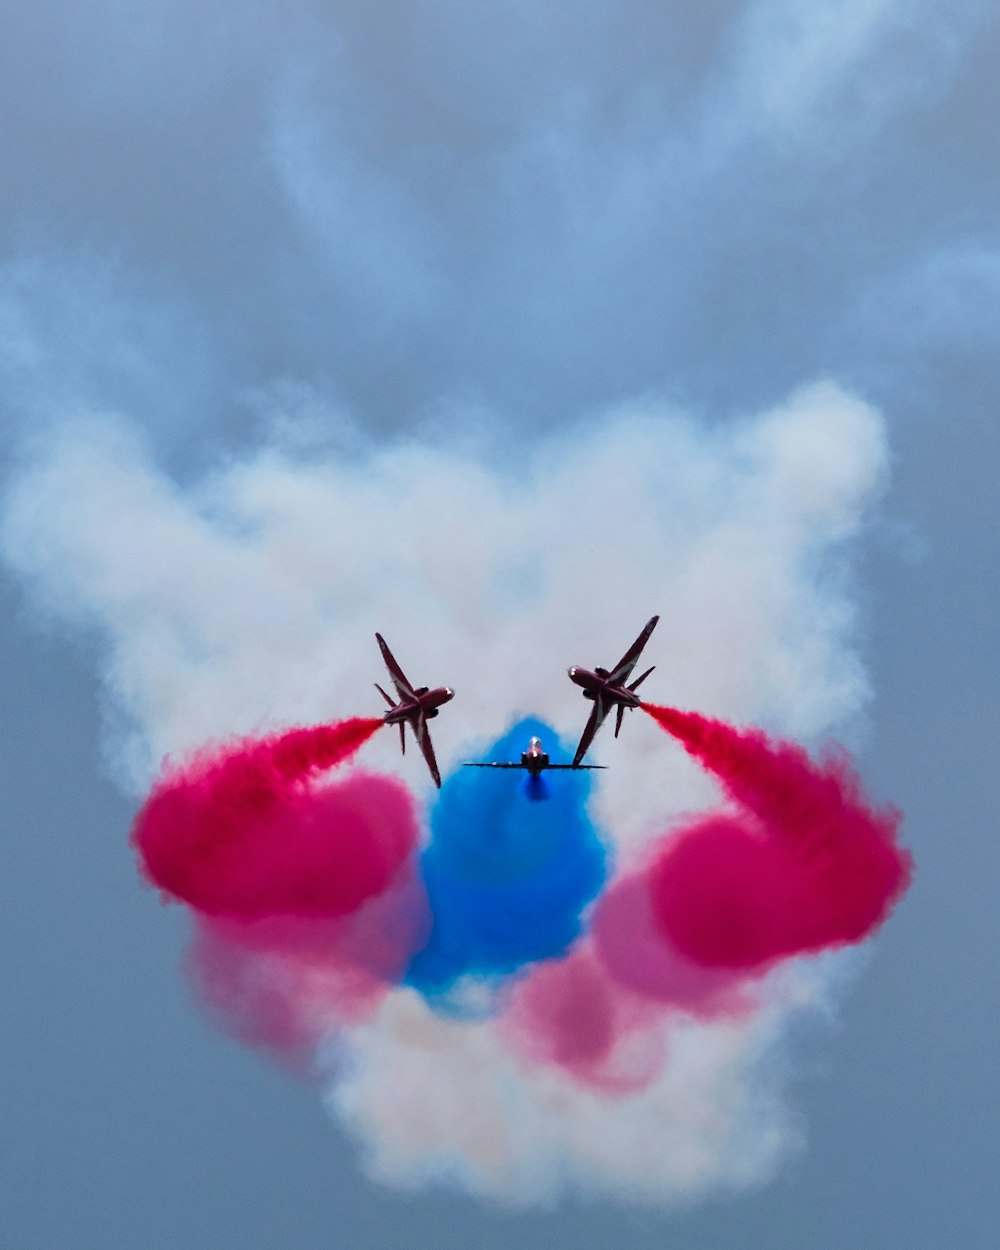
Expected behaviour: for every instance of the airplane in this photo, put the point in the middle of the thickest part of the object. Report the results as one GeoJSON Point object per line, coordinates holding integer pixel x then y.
{"type": "Point", "coordinates": [415, 708]}
{"type": "Point", "coordinates": [608, 689]}
{"type": "Point", "coordinates": [535, 760]}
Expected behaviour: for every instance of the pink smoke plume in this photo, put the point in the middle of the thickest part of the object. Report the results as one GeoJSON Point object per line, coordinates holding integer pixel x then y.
{"type": "Point", "coordinates": [597, 1015]}
{"type": "Point", "coordinates": [306, 901]}
{"type": "Point", "coordinates": [241, 831]}
{"type": "Point", "coordinates": [805, 863]}
{"type": "Point", "coordinates": [569, 1014]}
{"type": "Point", "coordinates": [286, 983]}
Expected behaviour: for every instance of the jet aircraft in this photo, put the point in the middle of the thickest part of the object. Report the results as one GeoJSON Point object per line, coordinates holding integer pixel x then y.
{"type": "Point", "coordinates": [607, 689]}
{"type": "Point", "coordinates": [534, 761]}
{"type": "Point", "coordinates": [414, 708]}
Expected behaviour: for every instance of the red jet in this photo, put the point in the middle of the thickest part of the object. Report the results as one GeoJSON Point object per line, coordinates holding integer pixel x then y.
{"type": "Point", "coordinates": [535, 760]}
{"type": "Point", "coordinates": [415, 708]}
{"type": "Point", "coordinates": [608, 689]}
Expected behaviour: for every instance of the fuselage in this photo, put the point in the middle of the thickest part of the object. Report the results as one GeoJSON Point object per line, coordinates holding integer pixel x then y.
{"type": "Point", "coordinates": [424, 701]}
{"type": "Point", "coordinates": [534, 759]}
{"type": "Point", "coordinates": [596, 683]}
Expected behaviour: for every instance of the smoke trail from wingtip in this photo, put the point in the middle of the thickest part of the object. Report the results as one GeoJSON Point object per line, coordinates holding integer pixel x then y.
{"type": "Point", "coordinates": [806, 863]}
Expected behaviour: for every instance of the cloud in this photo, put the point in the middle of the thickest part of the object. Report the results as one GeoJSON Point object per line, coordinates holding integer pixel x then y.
{"type": "Point", "coordinates": [795, 68]}
{"type": "Point", "coordinates": [946, 300]}
{"type": "Point", "coordinates": [533, 211]}
{"type": "Point", "coordinates": [77, 336]}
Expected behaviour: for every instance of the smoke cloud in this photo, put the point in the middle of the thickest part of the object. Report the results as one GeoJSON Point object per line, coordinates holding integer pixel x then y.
{"type": "Point", "coordinates": [515, 209]}
{"type": "Point", "coordinates": [238, 832]}
{"type": "Point", "coordinates": [598, 1049]}
{"type": "Point", "coordinates": [508, 870]}
{"type": "Point", "coordinates": [813, 867]}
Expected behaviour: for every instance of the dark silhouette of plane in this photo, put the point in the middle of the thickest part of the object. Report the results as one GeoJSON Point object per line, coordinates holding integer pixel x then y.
{"type": "Point", "coordinates": [608, 689]}
{"type": "Point", "coordinates": [414, 708]}
{"type": "Point", "coordinates": [535, 760]}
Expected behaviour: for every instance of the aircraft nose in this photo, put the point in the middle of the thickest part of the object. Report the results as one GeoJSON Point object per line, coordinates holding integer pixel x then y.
{"type": "Point", "coordinates": [448, 693]}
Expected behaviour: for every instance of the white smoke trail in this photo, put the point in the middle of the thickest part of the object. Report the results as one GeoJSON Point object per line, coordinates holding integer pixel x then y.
{"type": "Point", "coordinates": [249, 599]}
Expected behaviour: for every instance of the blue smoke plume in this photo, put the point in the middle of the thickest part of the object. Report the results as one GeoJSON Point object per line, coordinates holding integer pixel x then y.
{"type": "Point", "coordinates": [510, 867]}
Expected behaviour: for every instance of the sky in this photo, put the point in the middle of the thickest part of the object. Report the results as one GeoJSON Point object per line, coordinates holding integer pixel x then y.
{"type": "Point", "coordinates": [492, 326]}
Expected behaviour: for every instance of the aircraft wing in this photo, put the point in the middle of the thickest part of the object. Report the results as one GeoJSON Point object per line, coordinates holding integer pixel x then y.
{"type": "Point", "coordinates": [399, 678]}
{"type": "Point", "coordinates": [623, 669]}
{"type": "Point", "coordinates": [423, 737]}
{"type": "Point", "coordinates": [596, 720]}
{"type": "Point", "coordinates": [575, 767]}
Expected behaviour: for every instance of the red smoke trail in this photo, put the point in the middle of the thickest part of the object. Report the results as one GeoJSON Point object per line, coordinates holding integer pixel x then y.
{"type": "Point", "coordinates": [806, 864]}
{"type": "Point", "coordinates": [239, 832]}
{"type": "Point", "coordinates": [309, 909]}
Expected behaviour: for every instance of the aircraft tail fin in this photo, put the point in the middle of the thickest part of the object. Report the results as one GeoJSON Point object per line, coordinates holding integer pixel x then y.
{"type": "Point", "coordinates": [639, 680]}
{"type": "Point", "coordinates": [384, 695]}
{"type": "Point", "coordinates": [621, 716]}
{"type": "Point", "coordinates": [402, 736]}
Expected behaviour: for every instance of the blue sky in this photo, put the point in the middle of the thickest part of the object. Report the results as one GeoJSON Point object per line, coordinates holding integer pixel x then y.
{"type": "Point", "coordinates": [344, 231]}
